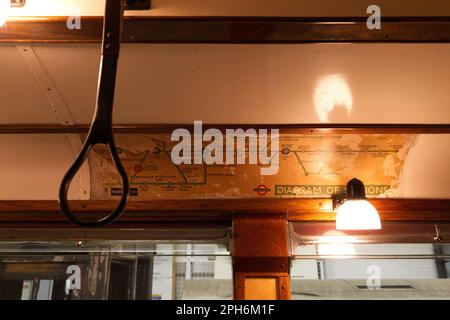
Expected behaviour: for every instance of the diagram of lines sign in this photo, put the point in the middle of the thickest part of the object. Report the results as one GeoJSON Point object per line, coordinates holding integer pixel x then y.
{"type": "Point", "coordinates": [262, 190]}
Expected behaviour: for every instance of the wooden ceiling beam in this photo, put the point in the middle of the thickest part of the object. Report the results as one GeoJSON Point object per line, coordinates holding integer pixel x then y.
{"type": "Point", "coordinates": [332, 128]}
{"type": "Point", "coordinates": [231, 30]}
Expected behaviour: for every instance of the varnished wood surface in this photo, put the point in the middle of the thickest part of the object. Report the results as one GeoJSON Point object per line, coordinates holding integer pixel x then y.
{"type": "Point", "coordinates": [260, 235]}
{"type": "Point", "coordinates": [229, 30]}
{"type": "Point", "coordinates": [282, 282]}
{"type": "Point", "coordinates": [42, 213]}
{"type": "Point", "coordinates": [260, 250]}
{"type": "Point", "coordinates": [197, 206]}
{"type": "Point", "coordinates": [300, 128]}
{"type": "Point", "coordinates": [207, 233]}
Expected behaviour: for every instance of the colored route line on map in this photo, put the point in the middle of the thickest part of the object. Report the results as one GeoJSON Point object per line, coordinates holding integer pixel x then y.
{"type": "Point", "coordinates": [180, 171]}
{"type": "Point", "coordinates": [284, 151]}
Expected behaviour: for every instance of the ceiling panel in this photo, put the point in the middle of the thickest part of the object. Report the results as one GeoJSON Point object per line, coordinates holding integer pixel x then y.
{"type": "Point", "coordinates": [382, 83]}
{"type": "Point", "coordinates": [21, 99]}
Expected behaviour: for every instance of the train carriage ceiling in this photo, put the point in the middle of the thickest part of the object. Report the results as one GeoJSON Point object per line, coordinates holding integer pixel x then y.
{"type": "Point", "coordinates": [229, 84]}
{"type": "Point", "coordinates": [176, 83]}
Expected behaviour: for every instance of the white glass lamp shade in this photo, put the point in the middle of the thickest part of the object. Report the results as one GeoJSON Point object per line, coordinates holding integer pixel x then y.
{"type": "Point", "coordinates": [357, 215]}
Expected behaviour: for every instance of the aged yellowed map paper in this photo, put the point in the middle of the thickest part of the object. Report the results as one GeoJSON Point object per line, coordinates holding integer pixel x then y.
{"type": "Point", "coordinates": [310, 166]}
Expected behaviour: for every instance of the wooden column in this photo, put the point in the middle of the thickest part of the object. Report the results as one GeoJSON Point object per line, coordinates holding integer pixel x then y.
{"type": "Point", "coordinates": [260, 256]}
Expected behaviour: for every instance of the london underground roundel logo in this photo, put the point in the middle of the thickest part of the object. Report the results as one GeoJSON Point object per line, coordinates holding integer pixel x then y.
{"type": "Point", "coordinates": [262, 190]}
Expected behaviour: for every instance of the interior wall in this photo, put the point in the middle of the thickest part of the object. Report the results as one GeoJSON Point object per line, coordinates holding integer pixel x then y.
{"type": "Point", "coordinates": [426, 173]}
{"type": "Point", "coordinates": [235, 84]}
{"type": "Point", "coordinates": [336, 83]}
{"type": "Point", "coordinates": [32, 167]}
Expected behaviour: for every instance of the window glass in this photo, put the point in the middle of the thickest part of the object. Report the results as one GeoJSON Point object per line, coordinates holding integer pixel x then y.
{"type": "Point", "coordinates": [114, 270]}
{"type": "Point", "coordinates": [344, 270]}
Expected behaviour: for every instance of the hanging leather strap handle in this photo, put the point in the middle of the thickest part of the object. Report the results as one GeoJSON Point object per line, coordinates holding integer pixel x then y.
{"type": "Point", "coordinates": [101, 131]}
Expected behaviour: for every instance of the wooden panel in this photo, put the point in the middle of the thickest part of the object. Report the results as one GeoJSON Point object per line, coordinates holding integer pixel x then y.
{"type": "Point", "coordinates": [329, 128]}
{"type": "Point", "coordinates": [202, 207]}
{"type": "Point", "coordinates": [42, 268]}
{"type": "Point", "coordinates": [260, 255]}
{"type": "Point", "coordinates": [258, 288]}
{"type": "Point", "coordinates": [205, 212]}
{"type": "Point", "coordinates": [260, 235]}
{"type": "Point", "coordinates": [232, 30]}
{"type": "Point", "coordinates": [261, 264]}
{"type": "Point", "coordinates": [283, 291]}
{"type": "Point", "coordinates": [147, 233]}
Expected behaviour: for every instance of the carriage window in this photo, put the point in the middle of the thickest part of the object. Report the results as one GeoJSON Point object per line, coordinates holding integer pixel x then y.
{"type": "Point", "coordinates": [400, 261]}
{"type": "Point", "coordinates": [371, 271]}
{"type": "Point", "coordinates": [119, 270]}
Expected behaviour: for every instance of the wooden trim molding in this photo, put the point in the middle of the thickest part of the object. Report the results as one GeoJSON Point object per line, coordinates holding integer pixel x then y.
{"type": "Point", "coordinates": [203, 234]}
{"type": "Point", "coordinates": [206, 211]}
{"type": "Point", "coordinates": [300, 128]}
{"type": "Point", "coordinates": [229, 30]}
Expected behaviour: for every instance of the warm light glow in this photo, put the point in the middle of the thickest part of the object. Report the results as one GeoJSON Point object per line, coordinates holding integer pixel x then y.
{"type": "Point", "coordinates": [357, 215]}
{"type": "Point", "coordinates": [336, 243]}
{"type": "Point", "coordinates": [10, 18]}
{"type": "Point", "coordinates": [4, 11]}
{"type": "Point", "coordinates": [331, 92]}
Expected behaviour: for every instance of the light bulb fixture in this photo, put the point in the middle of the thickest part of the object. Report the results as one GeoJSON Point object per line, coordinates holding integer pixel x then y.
{"type": "Point", "coordinates": [354, 212]}
{"type": "Point", "coordinates": [5, 7]}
